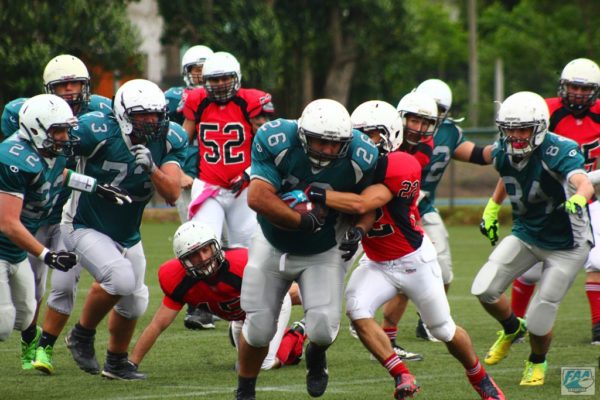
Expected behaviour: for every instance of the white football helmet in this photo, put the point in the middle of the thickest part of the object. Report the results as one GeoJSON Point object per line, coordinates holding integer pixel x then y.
{"type": "Point", "coordinates": [584, 73]}
{"type": "Point", "coordinates": [140, 96]}
{"type": "Point", "coordinates": [66, 68]}
{"type": "Point", "coordinates": [189, 238]}
{"type": "Point", "coordinates": [380, 116]}
{"type": "Point", "coordinates": [422, 106]}
{"type": "Point", "coordinates": [327, 120]}
{"type": "Point", "coordinates": [38, 116]}
{"type": "Point", "coordinates": [440, 92]}
{"type": "Point", "coordinates": [222, 64]}
{"type": "Point", "coordinates": [194, 56]}
{"type": "Point", "coordinates": [520, 111]}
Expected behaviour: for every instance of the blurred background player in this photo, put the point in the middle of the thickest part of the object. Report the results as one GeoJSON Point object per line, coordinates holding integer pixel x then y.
{"type": "Point", "coordinates": [139, 150]}
{"type": "Point", "coordinates": [192, 64]}
{"type": "Point", "coordinates": [548, 187]}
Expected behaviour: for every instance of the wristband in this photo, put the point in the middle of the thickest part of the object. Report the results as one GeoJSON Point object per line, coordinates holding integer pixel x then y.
{"type": "Point", "coordinates": [42, 255]}
{"type": "Point", "coordinates": [477, 156]}
{"type": "Point", "coordinates": [80, 182]}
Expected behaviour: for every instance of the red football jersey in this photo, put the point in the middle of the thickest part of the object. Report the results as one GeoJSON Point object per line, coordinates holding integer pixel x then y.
{"type": "Point", "coordinates": [395, 232]}
{"type": "Point", "coordinates": [220, 294]}
{"type": "Point", "coordinates": [224, 132]}
{"type": "Point", "coordinates": [584, 129]}
{"type": "Point", "coordinates": [422, 151]}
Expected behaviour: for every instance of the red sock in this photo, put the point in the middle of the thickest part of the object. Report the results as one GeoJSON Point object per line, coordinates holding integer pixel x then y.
{"type": "Point", "coordinates": [520, 295]}
{"type": "Point", "coordinates": [476, 373]}
{"type": "Point", "coordinates": [395, 366]}
{"type": "Point", "coordinates": [391, 332]}
{"type": "Point", "coordinates": [592, 290]}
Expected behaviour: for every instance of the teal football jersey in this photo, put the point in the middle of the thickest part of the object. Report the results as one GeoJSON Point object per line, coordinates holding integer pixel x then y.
{"type": "Point", "coordinates": [445, 142]}
{"type": "Point", "coordinates": [538, 188]}
{"type": "Point", "coordinates": [10, 115]}
{"type": "Point", "coordinates": [25, 174]}
{"type": "Point", "coordinates": [174, 105]}
{"type": "Point", "coordinates": [279, 158]}
{"type": "Point", "coordinates": [105, 155]}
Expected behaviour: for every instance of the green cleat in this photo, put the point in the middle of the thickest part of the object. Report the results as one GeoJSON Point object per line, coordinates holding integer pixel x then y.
{"type": "Point", "coordinates": [43, 359]}
{"type": "Point", "coordinates": [28, 350]}
{"type": "Point", "coordinates": [501, 346]}
{"type": "Point", "coordinates": [534, 374]}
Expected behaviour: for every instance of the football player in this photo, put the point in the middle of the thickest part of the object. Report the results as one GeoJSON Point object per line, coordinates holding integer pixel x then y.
{"type": "Point", "coordinates": [141, 151]}
{"type": "Point", "coordinates": [545, 178]}
{"type": "Point", "coordinates": [320, 149]}
{"type": "Point", "coordinates": [399, 259]}
{"type": "Point", "coordinates": [204, 274]}
{"type": "Point", "coordinates": [575, 114]}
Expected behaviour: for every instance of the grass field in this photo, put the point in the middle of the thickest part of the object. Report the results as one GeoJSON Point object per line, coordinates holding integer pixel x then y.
{"type": "Point", "coordinates": [187, 364]}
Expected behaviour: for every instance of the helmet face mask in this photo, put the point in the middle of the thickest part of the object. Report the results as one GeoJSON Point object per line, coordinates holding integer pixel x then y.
{"type": "Point", "coordinates": [325, 132]}
{"type": "Point", "coordinates": [65, 69]}
{"type": "Point", "coordinates": [521, 113]}
{"type": "Point", "coordinates": [191, 243]}
{"type": "Point", "coordinates": [380, 121]}
{"type": "Point", "coordinates": [134, 100]}
{"type": "Point", "coordinates": [216, 74]}
{"type": "Point", "coordinates": [579, 85]}
{"type": "Point", "coordinates": [41, 119]}
{"type": "Point", "coordinates": [195, 56]}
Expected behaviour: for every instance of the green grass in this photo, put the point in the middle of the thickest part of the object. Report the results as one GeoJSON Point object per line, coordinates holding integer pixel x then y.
{"type": "Point", "coordinates": [187, 364]}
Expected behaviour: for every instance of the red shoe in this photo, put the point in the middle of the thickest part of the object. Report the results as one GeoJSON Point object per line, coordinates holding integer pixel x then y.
{"type": "Point", "coordinates": [406, 386]}
{"type": "Point", "coordinates": [488, 390]}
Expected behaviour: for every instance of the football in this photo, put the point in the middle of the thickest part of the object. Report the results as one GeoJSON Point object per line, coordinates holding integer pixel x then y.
{"type": "Point", "coordinates": [303, 208]}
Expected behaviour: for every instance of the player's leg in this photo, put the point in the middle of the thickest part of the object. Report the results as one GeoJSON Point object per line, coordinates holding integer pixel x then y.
{"type": "Point", "coordinates": [367, 289]}
{"type": "Point", "coordinates": [123, 320]}
{"type": "Point", "coordinates": [271, 361]}
{"type": "Point", "coordinates": [523, 288]}
{"type": "Point", "coordinates": [17, 297]}
{"type": "Point", "coordinates": [264, 287]}
{"type": "Point", "coordinates": [183, 204]}
{"type": "Point", "coordinates": [240, 219]}
{"type": "Point", "coordinates": [592, 269]}
{"type": "Point", "coordinates": [559, 272]}
{"type": "Point", "coordinates": [511, 258]}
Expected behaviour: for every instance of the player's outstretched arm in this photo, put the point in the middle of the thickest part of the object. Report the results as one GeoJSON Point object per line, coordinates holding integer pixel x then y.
{"type": "Point", "coordinates": [471, 153]}
{"type": "Point", "coordinates": [162, 319]}
{"type": "Point", "coordinates": [373, 197]}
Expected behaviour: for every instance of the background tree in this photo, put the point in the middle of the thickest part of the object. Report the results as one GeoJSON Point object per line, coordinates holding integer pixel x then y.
{"type": "Point", "coordinates": [33, 32]}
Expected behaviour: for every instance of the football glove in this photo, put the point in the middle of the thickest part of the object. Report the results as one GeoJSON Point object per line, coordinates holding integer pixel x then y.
{"type": "Point", "coordinates": [113, 194]}
{"type": "Point", "coordinates": [315, 194]}
{"type": "Point", "coordinates": [575, 204]}
{"type": "Point", "coordinates": [239, 183]}
{"type": "Point", "coordinates": [489, 225]}
{"type": "Point", "coordinates": [61, 260]}
{"type": "Point", "coordinates": [294, 197]}
{"type": "Point", "coordinates": [314, 220]}
{"type": "Point", "coordinates": [143, 158]}
{"type": "Point", "coordinates": [349, 244]}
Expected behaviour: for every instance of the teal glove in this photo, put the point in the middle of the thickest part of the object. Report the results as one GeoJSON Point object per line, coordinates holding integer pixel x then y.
{"type": "Point", "coordinates": [576, 204]}
{"type": "Point", "coordinates": [489, 221]}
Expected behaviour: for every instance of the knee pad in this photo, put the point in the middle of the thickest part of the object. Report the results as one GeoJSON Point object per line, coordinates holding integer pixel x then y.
{"type": "Point", "coordinates": [259, 328]}
{"type": "Point", "coordinates": [134, 305]}
{"type": "Point", "coordinates": [483, 280]}
{"type": "Point", "coordinates": [63, 291]}
{"type": "Point", "coordinates": [445, 262]}
{"type": "Point", "coordinates": [321, 328]}
{"type": "Point", "coordinates": [444, 332]}
{"type": "Point", "coordinates": [532, 275]}
{"type": "Point", "coordinates": [357, 310]}
{"type": "Point", "coordinates": [120, 279]}
{"type": "Point", "coordinates": [7, 321]}
{"type": "Point", "coordinates": [540, 317]}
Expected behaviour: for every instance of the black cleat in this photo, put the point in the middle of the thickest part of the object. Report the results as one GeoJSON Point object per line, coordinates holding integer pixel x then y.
{"type": "Point", "coordinates": [123, 370]}
{"type": "Point", "coordinates": [82, 350]}
{"type": "Point", "coordinates": [422, 332]}
{"type": "Point", "coordinates": [596, 334]}
{"type": "Point", "coordinates": [239, 395]}
{"type": "Point", "coordinates": [404, 354]}
{"type": "Point", "coordinates": [199, 319]}
{"type": "Point", "coordinates": [317, 375]}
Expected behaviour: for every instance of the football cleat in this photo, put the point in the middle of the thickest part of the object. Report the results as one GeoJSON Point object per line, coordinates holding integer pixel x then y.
{"type": "Point", "coordinates": [352, 331]}
{"type": "Point", "coordinates": [123, 370]}
{"type": "Point", "coordinates": [28, 350]}
{"type": "Point", "coordinates": [43, 359]}
{"type": "Point", "coordinates": [534, 374]}
{"type": "Point", "coordinates": [199, 319]}
{"type": "Point", "coordinates": [317, 375]}
{"type": "Point", "coordinates": [239, 395]}
{"type": "Point", "coordinates": [501, 346]}
{"type": "Point", "coordinates": [487, 389]}
{"type": "Point", "coordinates": [422, 332]}
{"type": "Point", "coordinates": [406, 386]}
{"type": "Point", "coordinates": [406, 355]}
{"type": "Point", "coordinates": [82, 350]}
{"type": "Point", "coordinates": [596, 334]}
